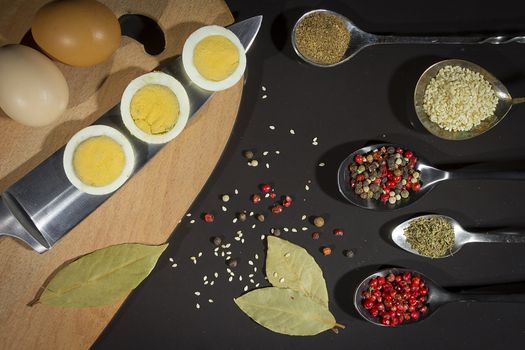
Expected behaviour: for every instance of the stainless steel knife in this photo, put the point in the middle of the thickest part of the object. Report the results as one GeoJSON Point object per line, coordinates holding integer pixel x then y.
{"type": "Point", "coordinates": [44, 206]}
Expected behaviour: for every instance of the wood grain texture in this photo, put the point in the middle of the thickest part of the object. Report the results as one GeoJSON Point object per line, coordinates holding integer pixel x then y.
{"type": "Point", "coordinates": [146, 209]}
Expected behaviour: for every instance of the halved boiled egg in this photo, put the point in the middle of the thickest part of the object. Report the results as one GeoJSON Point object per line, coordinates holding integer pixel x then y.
{"type": "Point", "coordinates": [214, 58]}
{"type": "Point", "coordinates": [98, 159]}
{"type": "Point", "coordinates": [155, 107]}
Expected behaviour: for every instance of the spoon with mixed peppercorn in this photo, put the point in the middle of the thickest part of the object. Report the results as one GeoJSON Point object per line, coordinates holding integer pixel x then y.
{"type": "Point", "coordinates": [394, 297]}
{"type": "Point", "coordinates": [440, 236]}
{"type": "Point", "coordinates": [387, 176]}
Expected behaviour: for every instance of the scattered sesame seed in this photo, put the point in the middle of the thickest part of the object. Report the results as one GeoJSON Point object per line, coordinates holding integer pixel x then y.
{"type": "Point", "coordinates": [225, 198]}
{"type": "Point", "coordinates": [228, 253]}
{"type": "Point", "coordinates": [275, 274]}
{"type": "Point", "coordinates": [285, 229]}
{"type": "Point", "coordinates": [315, 143]}
{"type": "Point", "coordinates": [294, 229]}
{"type": "Point", "coordinates": [256, 256]}
{"type": "Point", "coordinates": [234, 220]}
{"type": "Point", "coordinates": [292, 131]}
{"type": "Point", "coordinates": [174, 265]}
{"type": "Point", "coordinates": [216, 249]}
{"type": "Point", "coordinates": [287, 255]}
{"type": "Point", "coordinates": [251, 275]}
{"type": "Point", "coordinates": [253, 226]}
{"type": "Point", "coordinates": [188, 215]}
{"type": "Point", "coordinates": [263, 237]}
{"type": "Point", "coordinates": [272, 127]}
{"type": "Point", "coordinates": [212, 283]}
{"type": "Point", "coordinates": [277, 152]}
{"type": "Point", "coordinates": [205, 278]}
{"type": "Point", "coordinates": [267, 166]}
{"type": "Point", "coordinates": [200, 254]}
{"type": "Point", "coordinates": [245, 288]}
{"type": "Point", "coordinates": [251, 213]}
{"type": "Point", "coordinates": [250, 262]}
{"type": "Point", "coordinates": [281, 280]}
{"type": "Point", "coordinates": [197, 306]}
{"type": "Point", "coordinates": [242, 240]}
{"type": "Point", "coordinates": [236, 191]}
{"type": "Point", "coordinates": [210, 301]}
{"type": "Point", "coordinates": [240, 278]}
{"type": "Point", "coordinates": [216, 274]}
{"type": "Point", "coordinates": [230, 279]}
{"type": "Point", "coordinates": [216, 254]}
{"type": "Point", "coordinates": [206, 282]}
{"type": "Point", "coordinates": [263, 88]}
{"type": "Point", "coordinates": [264, 97]}
{"type": "Point", "coordinates": [228, 270]}
{"type": "Point", "coordinates": [197, 293]}
{"type": "Point", "coordinates": [255, 269]}
{"type": "Point", "coordinates": [227, 245]}
{"type": "Point", "coordinates": [192, 221]}
{"type": "Point", "coordinates": [252, 281]}
{"type": "Point", "coordinates": [303, 217]}
{"type": "Point", "coordinates": [237, 238]}
{"type": "Point", "coordinates": [193, 258]}
{"type": "Point", "coordinates": [306, 187]}
{"type": "Point", "coordinates": [224, 208]}
{"type": "Point", "coordinates": [222, 254]}
{"type": "Point", "coordinates": [304, 228]}
{"type": "Point", "coordinates": [257, 285]}
{"type": "Point", "coordinates": [314, 139]}
{"type": "Point", "coordinates": [322, 164]}
{"type": "Point", "coordinates": [266, 195]}
{"type": "Point", "coordinates": [170, 259]}
{"type": "Point", "coordinates": [265, 153]}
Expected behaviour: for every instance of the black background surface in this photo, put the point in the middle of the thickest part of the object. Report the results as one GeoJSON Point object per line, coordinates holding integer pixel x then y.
{"type": "Point", "coordinates": [368, 98]}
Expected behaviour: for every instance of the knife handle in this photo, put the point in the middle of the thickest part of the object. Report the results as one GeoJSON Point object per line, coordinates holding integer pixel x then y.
{"type": "Point", "coordinates": [13, 223]}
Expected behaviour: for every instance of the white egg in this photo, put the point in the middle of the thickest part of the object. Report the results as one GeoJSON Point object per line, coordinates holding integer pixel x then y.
{"type": "Point", "coordinates": [188, 61]}
{"type": "Point", "coordinates": [94, 131]}
{"type": "Point", "coordinates": [155, 78]}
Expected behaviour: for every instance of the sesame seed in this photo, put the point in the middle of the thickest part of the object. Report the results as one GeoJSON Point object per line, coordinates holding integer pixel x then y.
{"type": "Point", "coordinates": [256, 256]}
{"type": "Point", "coordinates": [200, 254]}
{"type": "Point", "coordinates": [251, 213]}
{"type": "Point", "coordinates": [267, 166]}
{"type": "Point", "coordinates": [272, 127]}
{"type": "Point", "coordinates": [212, 283]}
{"type": "Point", "coordinates": [252, 281]}
{"type": "Point", "coordinates": [294, 229]}
{"type": "Point", "coordinates": [263, 88]}
{"type": "Point", "coordinates": [216, 254]}
{"type": "Point", "coordinates": [250, 275]}
{"type": "Point", "coordinates": [206, 282]}
{"type": "Point", "coordinates": [228, 270]}
{"type": "Point", "coordinates": [197, 293]}
{"type": "Point", "coordinates": [236, 191]}
{"type": "Point", "coordinates": [266, 195]}
{"type": "Point", "coordinates": [263, 237]}
{"type": "Point", "coordinates": [188, 215]}
{"type": "Point", "coordinates": [322, 164]}
{"type": "Point", "coordinates": [192, 221]}
{"type": "Point", "coordinates": [275, 274]}
{"type": "Point", "coordinates": [224, 208]}
{"type": "Point", "coordinates": [314, 143]}
{"type": "Point", "coordinates": [216, 249]}
{"type": "Point", "coordinates": [230, 279]}
{"type": "Point", "coordinates": [234, 220]}
{"type": "Point", "coordinates": [306, 187]}
{"type": "Point", "coordinates": [304, 228]}
{"type": "Point", "coordinates": [255, 269]}
{"type": "Point", "coordinates": [197, 306]}
{"type": "Point", "coordinates": [240, 278]}
{"type": "Point", "coordinates": [237, 238]}
{"type": "Point", "coordinates": [216, 274]}
{"type": "Point", "coordinates": [228, 245]}
{"type": "Point", "coordinates": [242, 240]}
{"type": "Point", "coordinates": [250, 262]}
{"type": "Point", "coordinates": [210, 301]}
{"type": "Point", "coordinates": [222, 254]}
{"type": "Point", "coordinates": [174, 265]}
{"type": "Point", "coordinates": [205, 278]}
{"type": "Point", "coordinates": [314, 139]}
{"type": "Point", "coordinates": [245, 288]}
{"type": "Point", "coordinates": [281, 280]}
{"type": "Point", "coordinates": [264, 97]}
{"type": "Point", "coordinates": [193, 258]}
{"type": "Point", "coordinates": [170, 259]}
{"type": "Point", "coordinates": [257, 285]}
{"type": "Point", "coordinates": [292, 131]}
{"type": "Point", "coordinates": [285, 229]}
{"type": "Point", "coordinates": [303, 217]}
{"type": "Point", "coordinates": [253, 226]}
{"type": "Point", "coordinates": [228, 253]}
{"type": "Point", "coordinates": [265, 153]}
{"type": "Point", "coordinates": [287, 255]}
{"type": "Point", "coordinates": [277, 152]}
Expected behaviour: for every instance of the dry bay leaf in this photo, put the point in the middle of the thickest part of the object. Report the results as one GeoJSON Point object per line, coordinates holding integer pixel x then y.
{"type": "Point", "coordinates": [101, 277]}
{"type": "Point", "coordinates": [286, 311]}
{"type": "Point", "coordinates": [290, 266]}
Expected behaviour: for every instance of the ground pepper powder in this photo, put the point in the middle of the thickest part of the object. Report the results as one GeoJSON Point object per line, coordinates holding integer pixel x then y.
{"type": "Point", "coordinates": [322, 38]}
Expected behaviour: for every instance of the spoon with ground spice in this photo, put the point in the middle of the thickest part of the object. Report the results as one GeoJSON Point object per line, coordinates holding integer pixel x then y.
{"type": "Point", "coordinates": [440, 236]}
{"type": "Point", "coordinates": [373, 297]}
{"type": "Point", "coordinates": [452, 92]}
{"type": "Point", "coordinates": [326, 38]}
{"type": "Point", "coordinates": [402, 174]}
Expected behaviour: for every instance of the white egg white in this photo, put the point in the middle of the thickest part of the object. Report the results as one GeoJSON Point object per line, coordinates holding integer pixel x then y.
{"type": "Point", "coordinates": [93, 131]}
{"type": "Point", "coordinates": [191, 70]}
{"type": "Point", "coordinates": [171, 83]}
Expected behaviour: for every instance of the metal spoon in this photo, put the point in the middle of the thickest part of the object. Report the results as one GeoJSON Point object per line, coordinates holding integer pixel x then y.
{"type": "Point", "coordinates": [461, 236]}
{"type": "Point", "coordinates": [360, 39]}
{"type": "Point", "coordinates": [437, 296]}
{"type": "Point", "coordinates": [505, 101]}
{"type": "Point", "coordinates": [430, 176]}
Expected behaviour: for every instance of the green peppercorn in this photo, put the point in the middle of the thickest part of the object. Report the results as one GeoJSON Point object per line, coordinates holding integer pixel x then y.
{"type": "Point", "coordinates": [242, 216]}
{"type": "Point", "coordinates": [276, 232]}
{"type": "Point", "coordinates": [232, 262]}
{"type": "Point", "coordinates": [217, 240]}
{"type": "Point", "coordinates": [260, 217]}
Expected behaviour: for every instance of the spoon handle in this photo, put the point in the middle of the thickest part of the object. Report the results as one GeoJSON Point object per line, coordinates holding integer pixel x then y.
{"type": "Point", "coordinates": [391, 39]}
{"type": "Point", "coordinates": [486, 174]}
{"type": "Point", "coordinates": [497, 237]}
{"type": "Point", "coordinates": [488, 298]}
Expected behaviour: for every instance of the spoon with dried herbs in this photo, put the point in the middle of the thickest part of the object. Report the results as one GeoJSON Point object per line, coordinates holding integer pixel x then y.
{"type": "Point", "coordinates": [326, 38]}
{"type": "Point", "coordinates": [440, 236]}
{"type": "Point", "coordinates": [383, 170]}
{"type": "Point", "coordinates": [381, 299]}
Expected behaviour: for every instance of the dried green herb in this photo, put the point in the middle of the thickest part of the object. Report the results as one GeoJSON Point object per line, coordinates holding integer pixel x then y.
{"type": "Point", "coordinates": [290, 266]}
{"type": "Point", "coordinates": [433, 237]}
{"type": "Point", "coordinates": [322, 38]}
{"type": "Point", "coordinates": [101, 277]}
{"type": "Point", "coordinates": [286, 311]}
{"type": "Point", "coordinates": [298, 302]}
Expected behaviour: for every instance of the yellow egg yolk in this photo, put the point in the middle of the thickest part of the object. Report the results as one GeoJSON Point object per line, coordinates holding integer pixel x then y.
{"type": "Point", "coordinates": [98, 161]}
{"type": "Point", "coordinates": [215, 57]}
{"type": "Point", "coordinates": [154, 109]}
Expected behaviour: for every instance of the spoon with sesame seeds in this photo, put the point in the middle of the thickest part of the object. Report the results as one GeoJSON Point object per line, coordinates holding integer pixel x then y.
{"type": "Point", "coordinates": [503, 106]}
{"type": "Point", "coordinates": [461, 236]}
{"type": "Point", "coordinates": [429, 177]}
{"type": "Point", "coordinates": [359, 39]}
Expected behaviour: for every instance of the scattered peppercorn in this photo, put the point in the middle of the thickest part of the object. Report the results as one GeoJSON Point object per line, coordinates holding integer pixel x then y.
{"type": "Point", "coordinates": [217, 240]}
{"type": "Point", "coordinates": [208, 217]}
{"type": "Point", "coordinates": [266, 188]}
{"type": "Point", "coordinates": [348, 253]}
{"type": "Point", "coordinates": [316, 235]}
{"type": "Point", "coordinates": [287, 201]}
{"type": "Point", "coordinates": [276, 232]}
{"type": "Point", "coordinates": [260, 217]}
{"type": "Point", "coordinates": [327, 251]}
{"type": "Point", "coordinates": [277, 209]}
{"type": "Point", "coordinates": [242, 216]}
{"type": "Point", "coordinates": [232, 262]}
{"type": "Point", "coordinates": [253, 162]}
{"type": "Point", "coordinates": [225, 198]}
{"type": "Point", "coordinates": [319, 221]}
{"type": "Point", "coordinates": [248, 154]}
{"type": "Point", "coordinates": [338, 232]}
{"type": "Point", "coordinates": [255, 198]}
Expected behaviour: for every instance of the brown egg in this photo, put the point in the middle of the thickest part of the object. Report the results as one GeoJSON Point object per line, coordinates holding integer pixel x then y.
{"type": "Point", "coordinates": [80, 33]}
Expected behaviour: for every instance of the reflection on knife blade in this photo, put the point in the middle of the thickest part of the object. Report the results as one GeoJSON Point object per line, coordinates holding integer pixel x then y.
{"type": "Point", "coordinates": [44, 206]}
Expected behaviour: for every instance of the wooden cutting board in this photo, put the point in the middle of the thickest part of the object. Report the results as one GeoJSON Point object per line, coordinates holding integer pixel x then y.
{"type": "Point", "coordinates": [146, 209]}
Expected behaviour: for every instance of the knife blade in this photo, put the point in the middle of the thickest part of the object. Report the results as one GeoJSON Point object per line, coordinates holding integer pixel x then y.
{"type": "Point", "coordinates": [44, 206]}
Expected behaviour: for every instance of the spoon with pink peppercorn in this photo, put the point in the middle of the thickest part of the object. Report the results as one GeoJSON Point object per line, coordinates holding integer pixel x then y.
{"type": "Point", "coordinates": [388, 176]}
{"type": "Point", "coordinates": [395, 297]}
